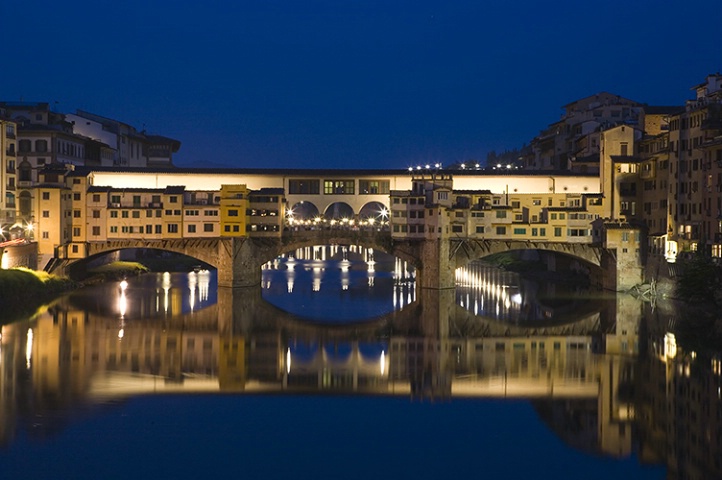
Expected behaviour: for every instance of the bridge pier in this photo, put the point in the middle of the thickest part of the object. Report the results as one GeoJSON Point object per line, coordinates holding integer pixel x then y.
{"type": "Point", "coordinates": [437, 270]}
{"type": "Point", "coordinates": [238, 263]}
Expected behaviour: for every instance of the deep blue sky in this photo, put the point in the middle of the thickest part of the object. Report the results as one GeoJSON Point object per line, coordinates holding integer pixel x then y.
{"type": "Point", "coordinates": [351, 83]}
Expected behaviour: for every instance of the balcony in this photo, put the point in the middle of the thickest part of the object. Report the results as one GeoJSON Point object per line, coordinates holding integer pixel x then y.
{"type": "Point", "coordinates": [9, 169]}
{"type": "Point", "coordinates": [155, 205]}
{"type": "Point", "coordinates": [10, 152]}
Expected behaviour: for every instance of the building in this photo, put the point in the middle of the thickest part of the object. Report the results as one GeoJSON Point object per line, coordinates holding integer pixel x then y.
{"type": "Point", "coordinates": [129, 147]}
{"type": "Point", "coordinates": [573, 142]}
{"type": "Point", "coordinates": [8, 173]}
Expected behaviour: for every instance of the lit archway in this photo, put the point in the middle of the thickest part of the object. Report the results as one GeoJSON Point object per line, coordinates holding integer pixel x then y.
{"type": "Point", "coordinates": [302, 211]}
{"type": "Point", "coordinates": [339, 211]}
{"type": "Point", "coordinates": [374, 210]}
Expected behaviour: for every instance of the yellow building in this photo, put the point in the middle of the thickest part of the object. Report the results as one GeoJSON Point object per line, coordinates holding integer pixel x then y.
{"type": "Point", "coordinates": [234, 203]}
{"type": "Point", "coordinates": [53, 208]}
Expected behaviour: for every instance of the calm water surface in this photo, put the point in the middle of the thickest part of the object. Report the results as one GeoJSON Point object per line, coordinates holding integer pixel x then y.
{"type": "Point", "coordinates": [337, 367]}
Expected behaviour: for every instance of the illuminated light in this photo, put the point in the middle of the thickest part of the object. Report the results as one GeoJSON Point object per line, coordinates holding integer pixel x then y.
{"type": "Point", "coordinates": [508, 166]}
{"type": "Point", "coordinates": [477, 165]}
{"type": "Point", "coordinates": [121, 333]}
{"type": "Point", "coordinates": [428, 166]}
{"type": "Point", "coordinates": [463, 166]}
{"type": "Point", "coordinates": [411, 169]}
{"type": "Point", "coordinates": [498, 165]}
{"type": "Point", "coordinates": [288, 360]}
{"type": "Point", "coordinates": [123, 285]}
{"type": "Point", "coordinates": [418, 168]}
{"type": "Point", "coordinates": [670, 345]}
{"type": "Point", "coordinates": [382, 362]}
{"type": "Point", "coordinates": [29, 348]}
{"type": "Point", "coordinates": [437, 165]}
{"type": "Point", "coordinates": [516, 298]}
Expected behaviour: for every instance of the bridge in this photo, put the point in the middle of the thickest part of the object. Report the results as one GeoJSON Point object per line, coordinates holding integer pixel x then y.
{"type": "Point", "coordinates": [239, 259]}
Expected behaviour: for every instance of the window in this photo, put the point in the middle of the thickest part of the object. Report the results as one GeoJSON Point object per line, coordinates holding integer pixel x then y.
{"type": "Point", "coordinates": [520, 231]}
{"type": "Point", "coordinates": [536, 202]}
{"type": "Point", "coordinates": [115, 199]}
{"type": "Point", "coordinates": [207, 227]}
{"type": "Point", "coordinates": [149, 229]}
{"type": "Point", "coordinates": [46, 195]}
{"type": "Point", "coordinates": [501, 214]}
{"type": "Point", "coordinates": [173, 199]}
{"type": "Point", "coordinates": [41, 146]}
{"type": "Point", "coordinates": [233, 213]}
{"type": "Point", "coordinates": [159, 229]}
{"type": "Point", "coordinates": [113, 214]}
{"type": "Point", "coordinates": [76, 196]}
{"type": "Point", "coordinates": [457, 228]}
{"type": "Point", "coordinates": [96, 198]}
{"type": "Point", "coordinates": [303, 186]}
{"type": "Point", "coordinates": [557, 231]}
{"type": "Point", "coordinates": [124, 214]}
{"type": "Point", "coordinates": [114, 229]}
{"type": "Point", "coordinates": [191, 229]}
{"type": "Point", "coordinates": [172, 228]}
{"type": "Point", "coordinates": [76, 231]}
{"type": "Point", "coordinates": [45, 235]}
{"type": "Point", "coordinates": [515, 204]}
{"type": "Point", "coordinates": [96, 231]}
{"type": "Point", "coordinates": [373, 187]}
{"type": "Point", "coordinates": [338, 187]}
{"type": "Point", "coordinates": [479, 229]}
{"type": "Point", "coordinates": [501, 230]}
{"type": "Point", "coordinates": [46, 213]}
{"type": "Point", "coordinates": [136, 213]}
{"type": "Point", "coordinates": [76, 213]}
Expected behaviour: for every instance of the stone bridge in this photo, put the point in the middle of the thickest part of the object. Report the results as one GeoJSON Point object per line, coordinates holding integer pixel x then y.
{"type": "Point", "coordinates": [239, 260]}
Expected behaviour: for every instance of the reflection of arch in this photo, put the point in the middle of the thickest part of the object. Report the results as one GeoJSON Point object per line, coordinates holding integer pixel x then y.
{"type": "Point", "coordinates": [339, 210]}
{"type": "Point", "coordinates": [375, 210]}
{"type": "Point", "coordinates": [304, 211]}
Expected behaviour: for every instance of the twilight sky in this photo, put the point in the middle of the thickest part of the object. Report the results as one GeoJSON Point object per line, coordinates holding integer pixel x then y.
{"type": "Point", "coordinates": [350, 83]}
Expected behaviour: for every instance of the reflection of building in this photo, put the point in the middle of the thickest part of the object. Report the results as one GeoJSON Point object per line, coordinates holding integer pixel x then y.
{"type": "Point", "coordinates": [680, 417]}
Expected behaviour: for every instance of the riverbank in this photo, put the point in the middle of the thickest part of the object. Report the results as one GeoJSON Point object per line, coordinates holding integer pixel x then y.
{"type": "Point", "coordinates": [23, 291]}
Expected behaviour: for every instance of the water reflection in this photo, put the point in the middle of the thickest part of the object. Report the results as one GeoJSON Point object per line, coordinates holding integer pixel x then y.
{"type": "Point", "coordinates": [614, 380]}
{"type": "Point", "coordinates": [338, 283]}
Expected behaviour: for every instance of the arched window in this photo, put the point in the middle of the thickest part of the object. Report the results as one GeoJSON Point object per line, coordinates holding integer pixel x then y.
{"type": "Point", "coordinates": [25, 172]}
{"type": "Point", "coordinates": [26, 205]}
{"type": "Point", "coordinates": [41, 145]}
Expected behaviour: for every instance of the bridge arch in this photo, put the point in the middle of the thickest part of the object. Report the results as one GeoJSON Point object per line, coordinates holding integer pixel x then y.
{"type": "Point", "coordinates": [468, 250]}
{"type": "Point", "coordinates": [338, 211]}
{"type": "Point", "coordinates": [368, 238]}
{"type": "Point", "coordinates": [206, 251]}
{"type": "Point", "coordinates": [374, 210]}
{"type": "Point", "coordinates": [304, 210]}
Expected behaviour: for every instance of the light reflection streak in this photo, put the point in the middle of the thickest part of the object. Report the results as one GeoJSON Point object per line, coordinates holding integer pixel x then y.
{"type": "Point", "coordinates": [29, 349]}
{"type": "Point", "coordinates": [166, 289]}
{"type": "Point", "coordinates": [479, 283]}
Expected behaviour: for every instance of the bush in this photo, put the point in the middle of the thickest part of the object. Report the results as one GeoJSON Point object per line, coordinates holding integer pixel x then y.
{"type": "Point", "coordinates": [699, 280]}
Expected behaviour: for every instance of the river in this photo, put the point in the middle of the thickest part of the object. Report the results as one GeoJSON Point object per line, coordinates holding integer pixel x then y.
{"type": "Point", "coordinates": [338, 367]}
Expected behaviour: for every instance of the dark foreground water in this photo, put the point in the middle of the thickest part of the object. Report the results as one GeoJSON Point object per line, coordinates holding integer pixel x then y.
{"type": "Point", "coordinates": [169, 377]}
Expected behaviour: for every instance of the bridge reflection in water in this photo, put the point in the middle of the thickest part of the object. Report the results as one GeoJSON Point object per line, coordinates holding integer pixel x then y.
{"type": "Point", "coordinates": [173, 339]}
